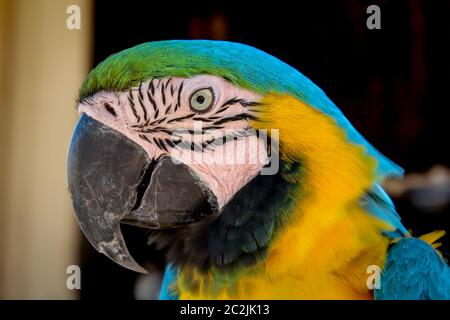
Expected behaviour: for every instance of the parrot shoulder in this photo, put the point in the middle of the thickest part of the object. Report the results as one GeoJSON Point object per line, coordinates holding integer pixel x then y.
{"type": "Point", "coordinates": [414, 270]}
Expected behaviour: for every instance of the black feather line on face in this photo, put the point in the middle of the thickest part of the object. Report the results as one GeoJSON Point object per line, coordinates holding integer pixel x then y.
{"type": "Point", "coordinates": [250, 103]}
{"type": "Point", "coordinates": [179, 119]}
{"type": "Point", "coordinates": [152, 101]}
{"type": "Point", "coordinates": [144, 110]}
{"type": "Point", "coordinates": [163, 145]}
{"type": "Point", "coordinates": [144, 137]}
{"type": "Point", "coordinates": [242, 116]}
{"type": "Point", "coordinates": [140, 91]}
{"type": "Point", "coordinates": [163, 94]}
{"type": "Point", "coordinates": [170, 143]}
{"type": "Point", "coordinates": [180, 89]}
{"type": "Point", "coordinates": [131, 100]}
{"type": "Point", "coordinates": [151, 87]}
{"type": "Point", "coordinates": [230, 102]}
{"type": "Point", "coordinates": [157, 143]}
{"type": "Point", "coordinates": [233, 101]}
{"type": "Point", "coordinates": [159, 121]}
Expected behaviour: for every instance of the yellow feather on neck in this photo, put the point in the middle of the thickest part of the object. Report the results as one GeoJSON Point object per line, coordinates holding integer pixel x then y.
{"type": "Point", "coordinates": [324, 252]}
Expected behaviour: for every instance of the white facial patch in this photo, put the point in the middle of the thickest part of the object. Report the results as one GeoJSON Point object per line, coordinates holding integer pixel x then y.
{"type": "Point", "coordinates": [201, 121]}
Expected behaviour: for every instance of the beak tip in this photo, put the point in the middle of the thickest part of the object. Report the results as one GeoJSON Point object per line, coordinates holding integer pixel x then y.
{"type": "Point", "coordinates": [135, 267]}
{"type": "Point", "coordinates": [117, 251]}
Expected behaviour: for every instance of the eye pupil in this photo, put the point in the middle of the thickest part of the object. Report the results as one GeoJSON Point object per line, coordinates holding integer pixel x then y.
{"type": "Point", "coordinates": [200, 99]}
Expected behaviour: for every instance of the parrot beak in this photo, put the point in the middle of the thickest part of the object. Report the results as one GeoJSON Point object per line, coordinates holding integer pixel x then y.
{"type": "Point", "coordinates": [112, 181]}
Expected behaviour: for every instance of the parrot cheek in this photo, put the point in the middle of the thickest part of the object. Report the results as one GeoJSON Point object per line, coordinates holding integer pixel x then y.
{"type": "Point", "coordinates": [112, 181]}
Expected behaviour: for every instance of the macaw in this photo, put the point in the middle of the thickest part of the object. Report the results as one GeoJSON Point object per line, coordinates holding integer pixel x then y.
{"type": "Point", "coordinates": [303, 216]}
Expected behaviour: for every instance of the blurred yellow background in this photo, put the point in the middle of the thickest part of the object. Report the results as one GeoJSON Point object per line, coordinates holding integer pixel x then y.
{"type": "Point", "coordinates": [42, 64]}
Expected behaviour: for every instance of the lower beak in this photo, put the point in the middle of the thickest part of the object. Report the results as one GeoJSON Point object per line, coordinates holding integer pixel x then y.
{"type": "Point", "coordinates": [112, 181]}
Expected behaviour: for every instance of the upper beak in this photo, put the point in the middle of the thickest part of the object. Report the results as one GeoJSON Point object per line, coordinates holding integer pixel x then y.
{"type": "Point", "coordinates": [112, 180]}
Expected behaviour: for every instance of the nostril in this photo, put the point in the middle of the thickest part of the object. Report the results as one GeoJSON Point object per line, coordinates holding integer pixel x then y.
{"type": "Point", "coordinates": [144, 183]}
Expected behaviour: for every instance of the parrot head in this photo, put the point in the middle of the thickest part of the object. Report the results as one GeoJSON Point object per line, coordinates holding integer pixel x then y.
{"type": "Point", "coordinates": [170, 137]}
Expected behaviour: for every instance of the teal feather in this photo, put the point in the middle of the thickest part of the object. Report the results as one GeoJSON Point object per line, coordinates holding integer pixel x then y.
{"type": "Point", "coordinates": [167, 291]}
{"type": "Point", "coordinates": [414, 271]}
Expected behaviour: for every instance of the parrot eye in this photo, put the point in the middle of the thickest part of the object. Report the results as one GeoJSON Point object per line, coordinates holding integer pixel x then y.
{"type": "Point", "coordinates": [202, 99]}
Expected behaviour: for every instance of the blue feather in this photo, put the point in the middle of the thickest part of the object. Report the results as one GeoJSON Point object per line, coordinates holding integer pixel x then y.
{"type": "Point", "coordinates": [414, 271]}
{"type": "Point", "coordinates": [167, 291]}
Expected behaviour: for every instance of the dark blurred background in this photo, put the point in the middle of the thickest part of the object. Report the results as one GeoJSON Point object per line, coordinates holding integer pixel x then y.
{"type": "Point", "coordinates": [391, 83]}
